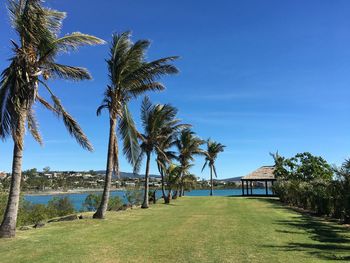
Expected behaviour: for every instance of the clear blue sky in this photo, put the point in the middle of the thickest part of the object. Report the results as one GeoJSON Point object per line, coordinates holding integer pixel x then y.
{"type": "Point", "coordinates": [257, 76]}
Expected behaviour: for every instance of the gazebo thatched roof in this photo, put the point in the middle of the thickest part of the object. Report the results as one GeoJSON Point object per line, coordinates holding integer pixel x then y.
{"type": "Point", "coordinates": [263, 173]}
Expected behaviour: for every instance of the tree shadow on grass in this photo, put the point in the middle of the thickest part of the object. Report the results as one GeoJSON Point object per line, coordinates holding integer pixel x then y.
{"type": "Point", "coordinates": [328, 240]}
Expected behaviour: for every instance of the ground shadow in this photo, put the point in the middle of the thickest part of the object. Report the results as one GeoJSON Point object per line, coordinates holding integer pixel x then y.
{"type": "Point", "coordinates": [328, 240]}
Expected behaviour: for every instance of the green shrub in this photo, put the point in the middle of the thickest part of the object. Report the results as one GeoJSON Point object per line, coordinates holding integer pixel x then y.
{"type": "Point", "coordinates": [35, 214]}
{"type": "Point", "coordinates": [134, 197]}
{"type": "Point", "coordinates": [60, 206]}
{"type": "Point", "coordinates": [92, 201]}
{"type": "Point", "coordinates": [115, 203]}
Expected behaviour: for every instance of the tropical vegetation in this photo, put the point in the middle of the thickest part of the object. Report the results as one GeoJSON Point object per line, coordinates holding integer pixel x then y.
{"type": "Point", "coordinates": [159, 123]}
{"type": "Point", "coordinates": [309, 182]}
{"type": "Point", "coordinates": [30, 214]}
{"type": "Point", "coordinates": [202, 229]}
{"type": "Point", "coordinates": [32, 64]}
{"type": "Point", "coordinates": [188, 145]}
{"type": "Point", "coordinates": [130, 76]}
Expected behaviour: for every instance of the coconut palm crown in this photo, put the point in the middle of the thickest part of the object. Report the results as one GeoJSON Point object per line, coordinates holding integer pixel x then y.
{"type": "Point", "coordinates": [130, 76]}
{"type": "Point", "coordinates": [213, 149]}
{"type": "Point", "coordinates": [34, 62]}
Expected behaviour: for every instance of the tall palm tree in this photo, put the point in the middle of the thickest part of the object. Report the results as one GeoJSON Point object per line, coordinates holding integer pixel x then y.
{"type": "Point", "coordinates": [33, 62]}
{"type": "Point", "coordinates": [130, 76]}
{"type": "Point", "coordinates": [188, 145]}
{"type": "Point", "coordinates": [213, 149]}
{"type": "Point", "coordinates": [159, 122]}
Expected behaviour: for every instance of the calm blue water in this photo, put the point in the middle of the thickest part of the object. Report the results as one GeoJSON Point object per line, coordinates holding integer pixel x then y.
{"type": "Point", "coordinates": [78, 199]}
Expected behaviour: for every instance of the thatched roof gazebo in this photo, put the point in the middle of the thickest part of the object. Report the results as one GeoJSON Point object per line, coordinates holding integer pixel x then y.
{"type": "Point", "coordinates": [263, 174]}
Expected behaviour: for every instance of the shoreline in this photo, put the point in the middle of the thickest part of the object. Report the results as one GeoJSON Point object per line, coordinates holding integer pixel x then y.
{"type": "Point", "coordinates": [96, 190]}
{"type": "Point", "coordinates": [71, 191]}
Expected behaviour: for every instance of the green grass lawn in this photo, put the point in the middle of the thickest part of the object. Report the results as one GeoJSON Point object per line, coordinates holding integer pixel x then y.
{"type": "Point", "coordinates": [192, 229]}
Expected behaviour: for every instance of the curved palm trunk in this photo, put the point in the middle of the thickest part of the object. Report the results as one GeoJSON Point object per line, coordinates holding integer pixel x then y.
{"type": "Point", "coordinates": [101, 211]}
{"type": "Point", "coordinates": [145, 196]}
{"type": "Point", "coordinates": [211, 180]}
{"type": "Point", "coordinates": [8, 225]}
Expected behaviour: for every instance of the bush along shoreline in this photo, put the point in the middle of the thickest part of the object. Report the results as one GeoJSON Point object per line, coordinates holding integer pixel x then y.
{"type": "Point", "coordinates": [62, 209]}
{"type": "Point", "coordinates": [308, 182]}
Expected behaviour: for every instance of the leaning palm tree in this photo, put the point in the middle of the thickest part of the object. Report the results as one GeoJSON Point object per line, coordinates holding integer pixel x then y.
{"type": "Point", "coordinates": [188, 145]}
{"type": "Point", "coordinates": [213, 149]}
{"type": "Point", "coordinates": [159, 122]}
{"type": "Point", "coordinates": [32, 64]}
{"type": "Point", "coordinates": [130, 76]}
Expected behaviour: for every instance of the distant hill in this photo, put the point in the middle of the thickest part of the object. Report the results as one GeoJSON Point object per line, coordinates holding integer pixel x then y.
{"type": "Point", "coordinates": [233, 179]}
{"type": "Point", "coordinates": [128, 175]}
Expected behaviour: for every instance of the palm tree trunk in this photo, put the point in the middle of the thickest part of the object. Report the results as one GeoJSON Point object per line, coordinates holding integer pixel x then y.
{"type": "Point", "coordinates": [8, 225]}
{"type": "Point", "coordinates": [181, 186]}
{"type": "Point", "coordinates": [165, 197]}
{"type": "Point", "coordinates": [169, 196]}
{"type": "Point", "coordinates": [101, 211]}
{"type": "Point", "coordinates": [211, 180]}
{"type": "Point", "coordinates": [145, 197]}
{"type": "Point", "coordinates": [175, 195]}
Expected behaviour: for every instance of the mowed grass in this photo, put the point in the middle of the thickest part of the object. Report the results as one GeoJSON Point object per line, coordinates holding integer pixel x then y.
{"type": "Point", "coordinates": [192, 229]}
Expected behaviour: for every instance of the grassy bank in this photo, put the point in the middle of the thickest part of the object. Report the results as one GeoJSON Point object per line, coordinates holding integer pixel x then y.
{"type": "Point", "coordinates": [193, 229]}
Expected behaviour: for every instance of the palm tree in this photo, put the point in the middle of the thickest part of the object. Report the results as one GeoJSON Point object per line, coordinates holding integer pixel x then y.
{"type": "Point", "coordinates": [159, 123]}
{"type": "Point", "coordinates": [164, 158]}
{"type": "Point", "coordinates": [188, 145]}
{"type": "Point", "coordinates": [130, 76]}
{"type": "Point", "coordinates": [32, 63]}
{"type": "Point", "coordinates": [189, 181]}
{"type": "Point", "coordinates": [213, 149]}
{"type": "Point", "coordinates": [172, 177]}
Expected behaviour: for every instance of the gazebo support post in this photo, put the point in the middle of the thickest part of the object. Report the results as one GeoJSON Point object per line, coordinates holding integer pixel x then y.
{"type": "Point", "coordinates": [267, 192]}
{"type": "Point", "coordinates": [242, 184]}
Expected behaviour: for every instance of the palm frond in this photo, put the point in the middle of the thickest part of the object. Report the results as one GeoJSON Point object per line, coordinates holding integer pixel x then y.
{"type": "Point", "coordinates": [33, 126]}
{"type": "Point", "coordinates": [128, 132]}
{"type": "Point", "coordinates": [76, 39]}
{"type": "Point", "coordinates": [205, 164]}
{"type": "Point", "coordinates": [214, 169]}
{"type": "Point", "coordinates": [6, 106]}
{"type": "Point", "coordinates": [47, 105]}
{"type": "Point", "coordinates": [68, 72]}
{"type": "Point", "coordinates": [100, 108]}
{"type": "Point", "coordinates": [72, 126]}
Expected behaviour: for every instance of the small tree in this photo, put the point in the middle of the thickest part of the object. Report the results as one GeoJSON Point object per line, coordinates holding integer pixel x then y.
{"type": "Point", "coordinates": [213, 149]}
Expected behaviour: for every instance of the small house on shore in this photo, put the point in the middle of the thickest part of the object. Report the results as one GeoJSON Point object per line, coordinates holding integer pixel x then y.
{"type": "Point", "coordinates": [264, 174]}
